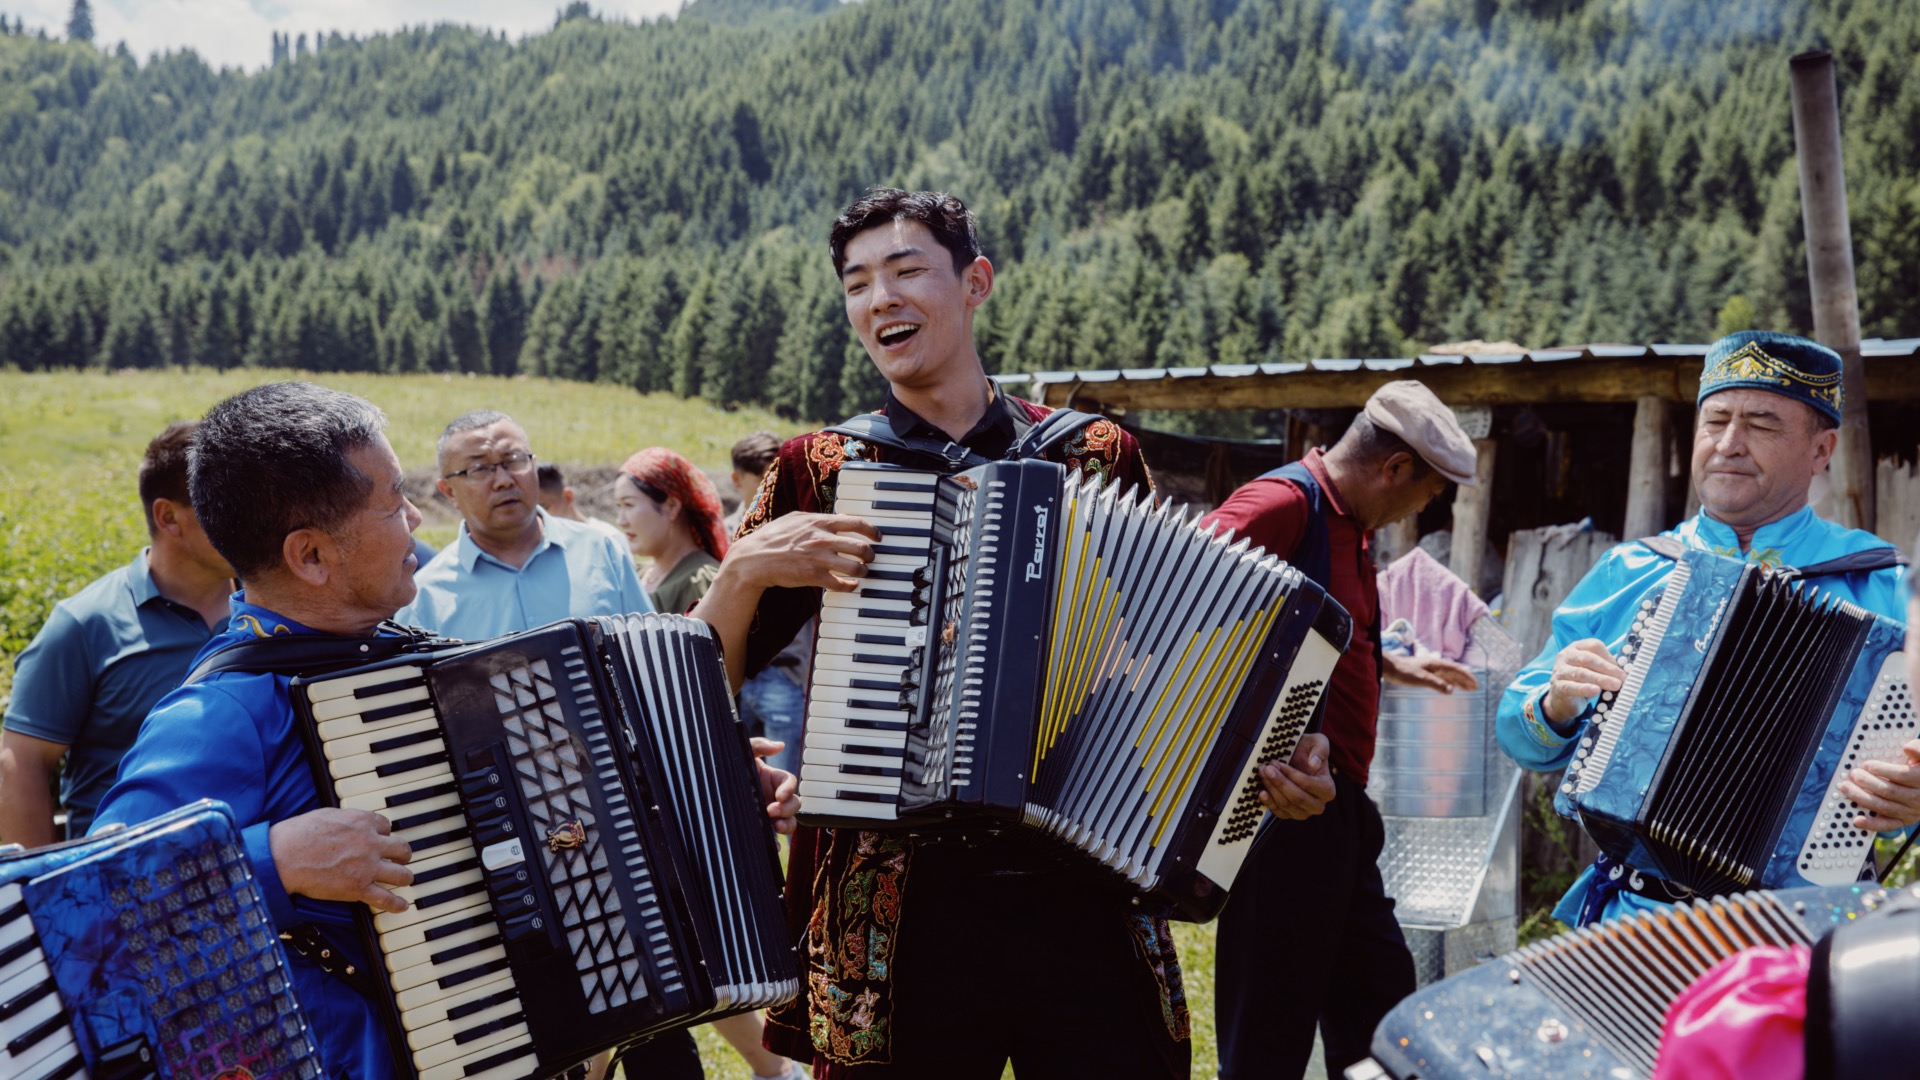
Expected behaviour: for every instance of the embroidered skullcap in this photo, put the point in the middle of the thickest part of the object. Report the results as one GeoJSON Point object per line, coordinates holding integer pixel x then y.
{"type": "Point", "coordinates": [670, 474]}
{"type": "Point", "coordinates": [1408, 409]}
{"type": "Point", "coordinates": [1778, 363]}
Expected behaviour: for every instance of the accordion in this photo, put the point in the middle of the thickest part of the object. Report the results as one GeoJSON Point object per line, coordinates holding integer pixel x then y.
{"type": "Point", "coordinates": [592, 857]}
{"type": "Point", "coordinates": [1747, 699]}
{"type": "Point", "coordinates": [1591, 1004]}
{"type": "Point", "coordinates": [1030, 646]}
{"type": "Point", "coordinates": [145, 952]}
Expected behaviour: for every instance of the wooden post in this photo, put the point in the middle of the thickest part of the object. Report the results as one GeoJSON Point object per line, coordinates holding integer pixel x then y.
{"type": "Point", "coordinates": [1836, 306]}
{"type": "Point", "coordinates": [1647, 475]}
{"type": "Point", "coordinates": [1470, 510]}
{"type": "Point", "coordinates": [1396, 538]}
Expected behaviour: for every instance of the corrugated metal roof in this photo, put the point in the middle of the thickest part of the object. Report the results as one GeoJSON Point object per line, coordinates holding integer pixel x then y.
{"type": "Point", "coordinates": [1609, 353]}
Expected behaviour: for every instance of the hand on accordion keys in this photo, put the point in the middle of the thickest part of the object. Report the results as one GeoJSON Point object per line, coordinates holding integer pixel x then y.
{"type": "Point", "coordinates": [779, 787]}
{"type": "Point", "coordinates": [336, 854]}
{"type": "Point", "coordinates": [1583, 671]}
{"type": "Point", "coordinates": [1888, 791]}
{"type": "Point", "coordinates": [796, 551]}
{"type": "Point", "coordinates": [1302, 788]}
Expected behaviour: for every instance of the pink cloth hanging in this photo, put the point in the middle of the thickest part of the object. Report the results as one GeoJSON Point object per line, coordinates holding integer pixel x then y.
{"type": "Point", "coordinates": [1745, 1019]}
{"type": "Point", "coordinates": [1436, 603]}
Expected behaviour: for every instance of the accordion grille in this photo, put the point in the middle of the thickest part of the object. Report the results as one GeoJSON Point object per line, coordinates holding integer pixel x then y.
{"type": "Point", "coordinates": [1621, 976]}
{"type": "Point", "coordinates": [551, 767]}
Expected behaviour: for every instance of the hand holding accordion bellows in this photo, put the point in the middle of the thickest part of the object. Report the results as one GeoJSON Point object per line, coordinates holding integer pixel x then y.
{"type": "Point", "coordinates": [797, 551]}
{"type": "Point", "coordinates": [336, 854]}
{"type": "Point", "coordinates": [1301, 788]}
{"type": "Point", "coordinates": [779, 787]}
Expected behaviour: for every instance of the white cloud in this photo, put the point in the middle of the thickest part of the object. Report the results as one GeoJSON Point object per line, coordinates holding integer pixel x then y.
{"type": "Point", "coordinates": [238, 33]}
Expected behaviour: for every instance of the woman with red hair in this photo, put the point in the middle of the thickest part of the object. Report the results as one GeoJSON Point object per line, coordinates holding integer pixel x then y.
{"type": "Point", "coordinates": [671, 514]}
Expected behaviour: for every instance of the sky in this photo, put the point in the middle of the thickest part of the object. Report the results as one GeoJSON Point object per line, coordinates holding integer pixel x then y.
{"type": "Point", "coordinates": [238, 33]}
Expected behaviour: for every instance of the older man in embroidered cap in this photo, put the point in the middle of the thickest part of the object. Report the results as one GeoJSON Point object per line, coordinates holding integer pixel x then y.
{"type": "Point", "coordinates": [1769, 407]}
{"type": "Point", "coordinates": [1345, 962]}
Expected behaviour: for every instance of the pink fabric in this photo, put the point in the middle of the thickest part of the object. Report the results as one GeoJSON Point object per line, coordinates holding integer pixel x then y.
{"type": "Point", "coordinates": [1745, 1019]}
{"type": "Point", "coordinates": [1438, 605]}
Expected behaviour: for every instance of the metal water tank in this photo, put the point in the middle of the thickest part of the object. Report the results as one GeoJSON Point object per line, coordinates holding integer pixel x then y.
{"type": "Point", "coordinates": [1432, 751]}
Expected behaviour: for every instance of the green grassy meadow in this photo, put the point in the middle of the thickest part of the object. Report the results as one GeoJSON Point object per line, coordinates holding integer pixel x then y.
{"type": "Point", "coordinates": [70, 446]}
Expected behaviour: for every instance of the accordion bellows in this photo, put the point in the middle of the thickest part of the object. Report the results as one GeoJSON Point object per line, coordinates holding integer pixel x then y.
{"type": "Point", "coordinates": [1033, 646]}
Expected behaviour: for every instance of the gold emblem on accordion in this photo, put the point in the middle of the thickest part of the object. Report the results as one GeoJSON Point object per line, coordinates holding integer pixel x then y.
{"type": "Point", "coordinates": [967, 482]}
{"type": "Point", "coordinates": [948, 632]}
{"type": "Point", "coordinates": [235, 1073]}
{"type": "Point", "coordinates": [566, 836]}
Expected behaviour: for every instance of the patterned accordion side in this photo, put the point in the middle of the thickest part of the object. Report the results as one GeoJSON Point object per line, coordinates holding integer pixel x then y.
{"type": "Point", "coordinates": [146, 951]}
{"type": "Point", "coordinates": [1032, 646]}
{"type": "Point", "coordinates": [592, 860]}
{"type": "Point", "coordinates": [1747, 699]}
{"type": "Point", "coordinates": [1590, 1005]}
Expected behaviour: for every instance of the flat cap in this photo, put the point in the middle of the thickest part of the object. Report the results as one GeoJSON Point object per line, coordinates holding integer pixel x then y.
{"type": "Point", "coordinates": [1408, 409]}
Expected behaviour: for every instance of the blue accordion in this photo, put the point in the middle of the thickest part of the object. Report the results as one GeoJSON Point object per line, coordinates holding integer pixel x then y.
{"type": "Point", "coordinates": [1748, 697]}
{"type": "Point", "coordinates": [145, 952]}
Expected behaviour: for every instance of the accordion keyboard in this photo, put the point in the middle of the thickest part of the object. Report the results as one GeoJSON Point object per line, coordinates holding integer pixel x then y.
{"type": "Point", "coordinates": [446, 955]}
{"type": "Point", "coordinates": [865, 686]}
{"type": "Point", "coordinates": [36, 1042]}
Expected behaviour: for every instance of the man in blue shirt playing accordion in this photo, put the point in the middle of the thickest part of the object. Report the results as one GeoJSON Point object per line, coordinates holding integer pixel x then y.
{"type": "Point", "coordinates": [1768, 410]}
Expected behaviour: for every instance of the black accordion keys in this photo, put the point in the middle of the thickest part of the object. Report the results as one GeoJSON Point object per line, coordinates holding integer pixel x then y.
{"type": "Point", "coordinates": [592, 858]}
{"type": "Point", "coordinates": [1031, 646]}
{"type": "Point", "coordinates": [1748, 698]}
{"type": "Point", "coordinates": [146, 952]}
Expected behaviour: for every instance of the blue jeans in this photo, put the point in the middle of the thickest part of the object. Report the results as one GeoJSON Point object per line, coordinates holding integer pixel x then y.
{"type": "Point", "coordinates": [773, 705]}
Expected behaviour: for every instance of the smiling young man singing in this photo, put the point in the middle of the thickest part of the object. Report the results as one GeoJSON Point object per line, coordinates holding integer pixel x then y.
{"type": "Point", "coordinates": [952, 958]}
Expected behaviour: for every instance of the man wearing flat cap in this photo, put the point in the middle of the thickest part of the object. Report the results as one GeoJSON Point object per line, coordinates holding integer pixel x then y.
{"type": "Point", "coordinates": [1308, 937]}
{"type": "Point", "coordinates": [1768, 411]}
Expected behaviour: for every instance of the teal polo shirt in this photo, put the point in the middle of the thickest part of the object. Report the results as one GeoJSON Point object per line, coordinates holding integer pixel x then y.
{"type": "Point", "coordinates": [102, 660]}
{"type": "Point", "coordinates": [576, 572]}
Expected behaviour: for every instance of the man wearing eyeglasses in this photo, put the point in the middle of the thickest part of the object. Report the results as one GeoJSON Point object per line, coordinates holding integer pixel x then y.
{"type": "Point", "coordinates": [514, 566]}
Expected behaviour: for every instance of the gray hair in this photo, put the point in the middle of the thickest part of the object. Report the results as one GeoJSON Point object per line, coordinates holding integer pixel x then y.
{"type": "Point", "coordinates": [478, 418]}
{"type": "Point", "coordinates": [272, 460]}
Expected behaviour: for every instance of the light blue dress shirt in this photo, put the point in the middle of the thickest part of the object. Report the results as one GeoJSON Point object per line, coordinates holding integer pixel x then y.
{"type": "Point", "coordinates": [1603, 605]}
{"type": "Point", "coordinates": [577, 571]}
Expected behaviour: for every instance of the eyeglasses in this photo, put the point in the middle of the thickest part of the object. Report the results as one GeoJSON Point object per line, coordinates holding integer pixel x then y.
{"type": "Point", "coordinates": [516, 464]}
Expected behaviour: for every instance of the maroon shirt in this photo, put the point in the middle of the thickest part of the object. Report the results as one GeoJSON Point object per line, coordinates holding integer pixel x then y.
{"type": "Point", "coordinates": [1274, 514]}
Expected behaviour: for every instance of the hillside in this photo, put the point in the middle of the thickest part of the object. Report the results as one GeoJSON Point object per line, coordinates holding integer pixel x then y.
{"type": "Point", "coordinates": [1159, 181]}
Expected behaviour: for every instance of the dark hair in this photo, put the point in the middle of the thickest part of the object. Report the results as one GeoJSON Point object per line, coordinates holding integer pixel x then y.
{"type": "Point", "coordinates": [552, 480]}
{"type": "Point", "coordinates": [945, 216]}
{"type": "Point", "coordinates": [163, 471]}
{"type": "Point", "coordinates": [478, 418]}
{"type": "Point", "coordinates": [1373, 443]}
{"type": "Point", "coordinates": [755, 453]}
{"type": "Point", "coordinates": [273, 459]}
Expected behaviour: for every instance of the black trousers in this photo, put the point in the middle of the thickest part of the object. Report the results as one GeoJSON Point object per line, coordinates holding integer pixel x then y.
{"type": "Point", "coordinates": [672, 1056]}
{"type": "Point", "coordinates": [1037, 969]}
{"type": "Point", "coordinates": [1308, 938]}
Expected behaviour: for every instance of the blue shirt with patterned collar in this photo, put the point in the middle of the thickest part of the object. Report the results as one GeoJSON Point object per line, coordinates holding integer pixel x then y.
{"type": "Point", "coordinates": [232, 737]}
{"type": "Point", "coordinates": [577, 571]}
{"type": "Point", "coordinates": [100, 662]}
{"type": "Point", "coordinates": [1603, 605]}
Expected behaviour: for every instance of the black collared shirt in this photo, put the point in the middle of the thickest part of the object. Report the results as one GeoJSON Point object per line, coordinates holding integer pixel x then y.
{"type": "Point", "coordinates": [1002, 425]}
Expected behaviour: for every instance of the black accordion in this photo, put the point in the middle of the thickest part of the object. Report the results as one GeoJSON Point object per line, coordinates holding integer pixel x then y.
{"type": "Point", "coordinates": [593, 861]}
{"type": "Point", "coordinates": [146, 952]}
{"type": "Point", "coordinates": [1593, 1004]}
{"type": "Point", "coordinates": [1031, 646]}
{"type": "Point", "coordinates": [1748, 698]}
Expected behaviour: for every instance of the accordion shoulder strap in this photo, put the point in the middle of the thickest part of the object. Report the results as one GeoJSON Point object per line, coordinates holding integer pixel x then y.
{"type": "Point", "coordinates": [1858, 562]}
{"type": "Point", "coordinates": [309, 654]}
{"type": "Point", "coordinates": [1051, 430]}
